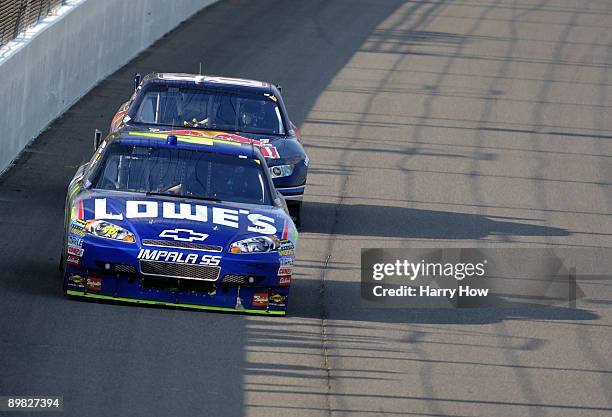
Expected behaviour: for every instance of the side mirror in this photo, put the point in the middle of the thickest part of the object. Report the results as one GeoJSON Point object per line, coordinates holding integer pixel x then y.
{"type": "Point", "coordinates": [97, 138]}
{"type": "Point", "coordinates": [280, 88]}
{"type": "Point", "coordinates": [136, 80]}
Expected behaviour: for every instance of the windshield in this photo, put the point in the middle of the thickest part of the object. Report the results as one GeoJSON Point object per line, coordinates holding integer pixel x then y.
{"type": "Point", "coordinates": [182, 173]}
{"type": "Point", "coordinates": [211, 109]}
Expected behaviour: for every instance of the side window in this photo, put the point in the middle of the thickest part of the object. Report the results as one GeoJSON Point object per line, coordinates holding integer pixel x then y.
{"type": "Point", "coordinates": [109, 178]}
{"type": "Point", "coordinates": [146, 112]}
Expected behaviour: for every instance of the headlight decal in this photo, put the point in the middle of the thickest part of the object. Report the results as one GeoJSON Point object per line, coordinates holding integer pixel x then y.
{"type": "Point", "coordinates": [108, 230]}
{"type": "Point", "coordinates": [257, 244]}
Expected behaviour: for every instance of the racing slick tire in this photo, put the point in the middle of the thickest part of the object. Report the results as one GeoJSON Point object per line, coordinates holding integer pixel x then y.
{"type": "Point", "coordinates": [295, 211]}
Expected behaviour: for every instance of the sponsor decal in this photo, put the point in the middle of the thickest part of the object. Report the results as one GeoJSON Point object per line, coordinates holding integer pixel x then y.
{"type": "Point", "coordinates": [284, 281]}
{"type": "Point", "coordinates": [285, 270]}
{"type": "Point", "coordinates": [77, 227]}
{"type": "Point", "coordinates": [75, 250]}
{"type": "Point", "coordinates": [286, 248]}
{"type": "Point", "coordinates": [287, 244]}
{"type": "Point", "coordinates": [73, 260]}
{"type": "Point", "coordinates": [143, 209]}
{"type": "Point", "coordinates": [183, 235]}
{"type": "Point", "coordinates": [77, 232]}
{"type": "Point", "coordinates": [178, 257]}
{"type": "Point", "coordinates": [260, 299]}
{"type": "Point", "coordinates": [94, 284]}
{"type": "Point", "coordinates": [75, 241]}
{"type": "Point", "coordinates": [286, 262]}
{"type": "Point", "coordinates": [77, 280]}
{"type": "Point", "coordinates": [78, 224]}
{"type": "Point", "coordinates": [277, 300]}
{"type": "Point", "coordinates": [269, 151]}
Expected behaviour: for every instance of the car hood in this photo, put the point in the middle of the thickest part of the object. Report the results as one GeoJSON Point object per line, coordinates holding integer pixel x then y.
{"type": "Point", "coordinates": [185, 220]}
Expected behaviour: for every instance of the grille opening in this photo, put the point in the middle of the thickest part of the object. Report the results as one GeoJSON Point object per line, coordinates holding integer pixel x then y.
{"type": "Point", "coordinates": [204, 287]}
{"type": "Point", "coordinates": [234, 279]}
{"type": "Point", "coordinates": [176, 284]}
{"type": "Point", "coordinates": [242, 280]}
{"type": "Point", "coordinates": [159, 283]}
{"type": "Point", "coordinates": [125, 269]}
{"type": "Point", "coordinates": [174, 270]}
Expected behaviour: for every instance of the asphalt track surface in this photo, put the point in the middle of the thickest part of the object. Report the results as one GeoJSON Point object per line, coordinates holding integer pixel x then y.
{"type": "Point", "coordinates": [432, 123]}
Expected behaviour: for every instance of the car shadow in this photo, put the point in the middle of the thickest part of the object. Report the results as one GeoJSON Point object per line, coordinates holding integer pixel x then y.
{"type": "Point", "coordinates": [400, 222]}
{"type": "Point", "coordinates": [348, 305]}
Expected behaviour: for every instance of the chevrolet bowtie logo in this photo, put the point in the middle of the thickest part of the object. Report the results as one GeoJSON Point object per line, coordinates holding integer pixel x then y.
{"type": "Point", "coordinates": [183, 235]}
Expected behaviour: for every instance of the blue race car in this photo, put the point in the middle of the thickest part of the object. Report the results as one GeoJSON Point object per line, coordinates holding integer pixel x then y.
{"type": "Point", "coordinates": [242, 110]}
{"type": "Point", "coordinates": [178, 220]}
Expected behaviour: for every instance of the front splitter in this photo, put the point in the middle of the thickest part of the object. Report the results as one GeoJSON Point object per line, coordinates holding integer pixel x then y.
{"type": "Point", "coordinates": [163, 303]}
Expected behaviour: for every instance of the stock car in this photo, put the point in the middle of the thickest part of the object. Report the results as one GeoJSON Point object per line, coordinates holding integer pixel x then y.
{"type": "Point", "coordinates": [238, 109]}
{"type": "Point", "coordinates": [180, 220]}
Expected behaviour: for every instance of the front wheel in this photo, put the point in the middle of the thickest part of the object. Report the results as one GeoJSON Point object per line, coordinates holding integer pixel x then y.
{"type": "Point", "coordinates": [295, 211]}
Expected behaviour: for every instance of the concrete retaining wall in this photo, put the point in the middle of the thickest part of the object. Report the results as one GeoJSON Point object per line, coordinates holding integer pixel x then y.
{"type": "Point", "coordinates": [52, 65]}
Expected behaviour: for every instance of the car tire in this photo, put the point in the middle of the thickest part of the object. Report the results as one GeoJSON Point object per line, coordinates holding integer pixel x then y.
{"type": "Point", "coordinates": [295, 211]}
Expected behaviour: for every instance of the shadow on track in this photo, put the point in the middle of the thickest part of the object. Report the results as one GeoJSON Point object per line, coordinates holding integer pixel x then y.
{"type": "Point", "coordinates": [347, 296]}
{"type": "Point", "coordinates": [399, 222]}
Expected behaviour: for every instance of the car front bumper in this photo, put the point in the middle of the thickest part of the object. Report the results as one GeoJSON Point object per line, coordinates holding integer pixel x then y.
{"type": "Point", "coordinates": [245, 283]}
{"type": "Point", "coordinates": [292, 193]}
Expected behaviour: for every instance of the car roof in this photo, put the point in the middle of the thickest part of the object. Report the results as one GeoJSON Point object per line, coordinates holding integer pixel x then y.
{"type": "Point", "coordinates": [216, 142]}
{"type": "Point", "coordinates": [213, 81]}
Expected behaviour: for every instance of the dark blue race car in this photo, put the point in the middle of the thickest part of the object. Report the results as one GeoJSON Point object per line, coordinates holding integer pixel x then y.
{"type": "Point", "coordinates": [178, 220]}
{"type": "Point", "coordinates": [243, 110]}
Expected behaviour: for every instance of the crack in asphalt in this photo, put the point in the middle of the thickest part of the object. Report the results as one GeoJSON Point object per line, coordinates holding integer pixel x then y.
{"type": "Point", "coordinates": [322, 288]}
{"type": "Point", "coordinates": [324, 350]}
